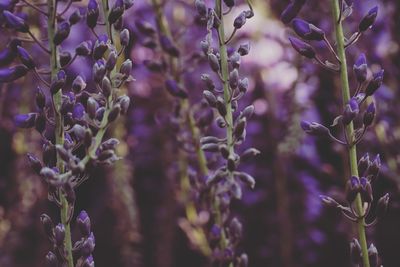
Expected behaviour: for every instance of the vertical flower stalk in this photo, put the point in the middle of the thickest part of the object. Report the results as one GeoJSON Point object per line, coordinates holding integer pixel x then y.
{"type": "Point", "coordinates": [364, 172]}
{"type": "Point", "coordinates": [352, 150]}
{"type": "Point", "coordinates": [225, 182]}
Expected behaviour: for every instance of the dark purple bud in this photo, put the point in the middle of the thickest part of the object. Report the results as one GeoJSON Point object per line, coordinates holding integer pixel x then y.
{"type": "Point", "coordinates": [116, 11]}
{"type": "Point", "coordinates": [40, 99]}
{"type": "Point", "coordinates": [124, 37]}
{"type": "Point", "coordinates": [235, 60]}
{"type": "Point", "coordinates": [240, 20]}
{"type": "Point", "coordinates": [373, 256]}
{"type": "Point", "coordinates": [247, 112]}
{"type": "Point", "coordinates": [100, 47]}
{"type": "Point", "coordinates": [214, 62]}
{"type": "Point", "coordinates": [124, 102]}
{"type": "Point", "coordinates": [291, 11]}
{"type": "Point", "coordinates": [40, 123]}
{"type": "Point", "coordinates": [208, 81]}
{"type": "Point", "coordinates": [25, 58]}
{"type": "Point", "coordinates": [363, 164]}
{"type": "Point", "coordinates": [366, 190]}
{"type": "Point", "coordinates": [352, 189]}
{"type": "Point", "coordinates": [302, 48]}
{"type": "Point", "coordinates": [210, 98]}
{"type": "Point", "coordinates": [229, 3]}
{"type": "Point", "coordinates": [88, 246]}
{"type": "Point", "coordinates": [235, 229]}
{"type": "Point", "coordinates": [231, 164]}
{"type": "Point", "coordinates": [248, 13]}
{"type": "Point", "coordinates": [106, 86]}
{"type": "Point", "coordinates": [78, 111]}
{"type": "Point", "coordinates": [34, 163]}
{"type": "Point", "coordinates": [75, 17]}
{"type": "Point", "coordinates": [83, 222]}
{"type": "Point", "coordinates": [239, 128]}
{"type": "Point", "coordinates": [314, 128]}
{"type": "Point", "coordinates": [382, 206]}
{"type": "Point", "coordinates": [243, 85]}
{"type": "Point", "coordinates": [369, 115]}
{"type": "Point", "coordinates": [375, 83]}
{"type": "Point", "coordinates": [78, 84]}
{"type": "Point", "coordinates": [368, 20]}
{"type": "Point", "coordinates": [62, 33]}
{"type": "Point", "coordinates": [15, 22]}
{"type": "Point", "coordinates": [224, 150]}
{"type": "Point", "coordinates": [114, 113]}
{"type": "Point", "coordinates": [220, 105]}
{"type": "Point", "coordinates": [25, 120]}
{"type": "Point", "coordinates": [168, 46]}
{"type": "Point", "coordinates": [47, 225]}
{"type": "Point", "coordinates": [91, 107]}
{"type": "Point", "coordinates": [234, 79]}
{"type": "Point", "coordinates": [355, 252]}
{"type": "Point", "coordinates": [330, 202]}
{"type": "Point", "coordinates": [92, 13]}
{"type": "Point", "coordinates": [84, 48]}
{"type": "Point", "coordinates": [248, 154]}
{"type": "Point", "coordinates": [51, 260]}
{"type": "Point", "coordinates": [111, 61]}
{"type": "Point", "coordinates": [244, 49]}
{"type": "Point", "coordinates": [13, 73]}
{"type": "Point", "coordinates": [174, 89]}
{"type": "Point", "coordinates": [59, 234]}
{"type": "Point", "coordinates": [58, 82]}
{"type": "Point", "coordinates": [126, 68]}
{"type": "Point", "coordinates": [99, 70]}
{"type": "Point", "coordinates": [89, 262]}
{"type": "Point", "coordinates": [201, 8]}
{"type": "Point", "coordinates": [8, 54]}
{"type": "Point", "coordinates": [64, 58]}
{"type": "Point", "coordinates": [243, 260]}
{"type": "Point", "coordinates": [210, 147]}
{"type": "Point", "coordinates": [350, 111]}
{"type": "Point", "coordinates": [374, 168]}
{"type": "Point", "coordinates": [360, 68]}
{"type": "Point", "coordinates": [307, 30]}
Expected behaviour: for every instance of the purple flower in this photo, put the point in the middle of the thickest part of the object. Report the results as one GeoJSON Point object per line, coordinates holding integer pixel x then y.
{"type": "Point", "coordinates": [15, 22]}
{"type": "Point", "coordinates": [83, 222]}
{"type": "Point", "coordinates": [92, 13]}
{"type": "Point", "coordinates": [360, 68]}
{"type": "Point", "coordinates": [13, 73]}
{"type": "Point", "coordinates": [314, 128]}
{"type": "Point", "coordinates": [307, 30]}
{"type": "Point", "coordinates": [351, 111]}
{"type": "Point", "coordinates": [302, 48]}
{"type": "Point", "coordinates": [25, 120]}
{"type": "Point", "coordinates": [375, 83]}
{"type": "Point", "coordinates": [369, 115]}
{"type": "Point", "coordinates": [368, 20]}
{"type": "Point", "coordinates": [62, 32]}
{"type": "Point", "coordinates": [78, 111]}
{"type": "Point", "coordinates": [25, 58]}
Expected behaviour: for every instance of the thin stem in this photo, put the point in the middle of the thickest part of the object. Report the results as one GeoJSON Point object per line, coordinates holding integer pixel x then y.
{"type": "Point", "coordinates": [227, 95]}
{"type": "Point", "coordinates": [59, 127]}
{"type": "Point", "coordinates": [106, 11]}
{"type": "Point", "coordinates": [230, 37]}
{"type": "Point", "coordinates": [331, 48]}
{"type": "Point", "coordinates": [39, 43]}
{"type": "Point", "coordinates": [35, 7]}
{"type": "Point", "coordinates": [350, 128]}
{"type": "Point", "coordinates": [41, 78]}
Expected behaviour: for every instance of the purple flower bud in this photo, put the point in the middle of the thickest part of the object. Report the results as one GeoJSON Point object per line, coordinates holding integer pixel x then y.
{"type": "Point", "coordinates": [15, 22]}
{"type": "Point", "coordinates": [240, 20]}
{"type": "Point", "coordinates": [243, 260]}
{"type": "Point", "coordinates": [314, 128]}
{"type": "Point", "coordinates": [88, 246]}
{"type": "Point", "coordinates": [83, 222]}
{"type": "Point", "coordinates": [220, 105]}
{"type": "Point", "coordinates": [51, 259]}
{"type": "Point", "coordinates": [363, 164]}
{"type": "Point", "coordinates": [302, 48]}
{"type": "Point", "coordinates": [352, 189]}
{"type": "Point", "coordinates": [78, 84]}
{"type": "Point", "coordinates": [84, 48]}
{"type": "Point", "coordinates": [307, 30]}
{"type": "Point", "coordinates": [234, 79]}
{"type": "Point", "coordinates": [124, 102]}
{"type": "Point", "coordinates": [8, 54]}
{"type": "Point", "coordinates": [375, 83]}
{"type": "Point", "coordinates": [13, 73]}
{"type": "Point", "coordinates": [64, 58]}
{"type": "Point", "coordinates": [99, 70]}
{"type": "Point", "coordinates": [78, 111]}
{"type": "Point", "coordinates": [382, 206]}
{"type": "Point", "coordinates": [360, 68]}
{"type": "Point", "coordinates": [350, 111]}
{"type": "Point", "coordinates": [355, 252]}
{"type": "Point", "coordinates": [100, 47]}
{"type": "Point", "coordinates": [114, 113]}
{"type": "Point", "coordinates": [91, 107]}
{"type": "Point", "coordinates": [25, 58]}
{"type": "Point", "coordinates": [174, 89]}
{"type": "Point", "coordinates": [59, 234]}
{"type": "Point", "coordinates": [116, 11]}
{"type": "Point", "coordinates": [124, 37]}
{"type": "Point", "coordinates": [368, 20]}
{"type": "Point", "coordinates": [243, 85]}
{"type": "Point", "coordinates": [25, 120]}
{"type": "Point", "coordinates": [374, 167]}
{"type": "Point", "coordinates": [373, 256]}
{"type": "Point", "coordinates": [247, 179]}
{"type": "Point", "coordinates": [126, 68]}
{"type": "Point", "coordinates": [244, 49]}
{"type": "Point", "coordinates": [235, 60]}
{"type": "Point", "coordinates": [89, 262]}
{"type": "Point", "coordinates": [210, 98]}
{"type": "Point", "coordinates": [63, 30]}
{"type": "Point", "coordinates": [47, 225]}
{"type": "Point", "coordinates": [369, 115]}
{"type": "Point", "coordinates": [366, 190]}
{"type": "Point", "coordinates": [58, 82]}
{"type": "Point", "coordinates": [40, 99]}
{"type": "Point", "coordinates": [75, 17]}
{"type": "Point", "coordinates": [235, 229]}
{"type": "Point", "coordinates": [34, 163]}
{"type": "Point", "coordinates": [92, 13]}
{"type": "Point", "coordinates": [214, 62]}
{"type": "Point", "coordinates": [291, 11]}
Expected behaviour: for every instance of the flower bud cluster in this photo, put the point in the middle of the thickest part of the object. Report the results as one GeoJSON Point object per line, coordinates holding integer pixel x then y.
{"type": "Point", "coordinates": [225, 182]}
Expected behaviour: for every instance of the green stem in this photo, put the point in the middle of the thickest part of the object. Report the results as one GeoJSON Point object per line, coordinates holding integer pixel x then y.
{"type": "Point", "coordinates": [350, 128]}
{"type": "Point", "coordinates": [59, 128]}
{"type": "Point", "coordinates": [227, 97]}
